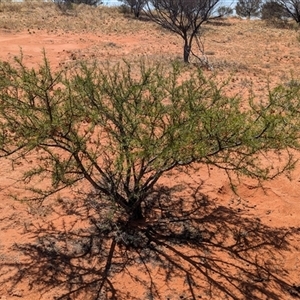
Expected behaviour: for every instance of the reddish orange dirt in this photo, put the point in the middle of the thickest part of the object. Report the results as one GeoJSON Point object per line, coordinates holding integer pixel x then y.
{"type": "Point", "coordinates": [251, 240]}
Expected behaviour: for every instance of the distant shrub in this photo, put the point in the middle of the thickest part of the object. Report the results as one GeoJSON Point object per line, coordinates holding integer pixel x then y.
{"type": "Point", "coordinates": [225, 11]}
{"type": "Point", "coordinates": [87, 2]}
{"type": "Point", "coordinates": [65, 5]}
{"type": "Point", "coordinates": [124, 9]}
{"type": "Point", "coordinates": [135, 6]}
{"type": "Point", "coordinates": [273, 10]}
{"type": "Point", "coordinates": [292, 8]}
{"type": "Point", "coordinates": [248, 8]}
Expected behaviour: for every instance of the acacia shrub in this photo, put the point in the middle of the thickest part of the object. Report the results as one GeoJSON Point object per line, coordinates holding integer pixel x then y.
{"type": "Point", "coordinates": [183, 18]}
{"type": "Point", "coordinates": [121, 128]}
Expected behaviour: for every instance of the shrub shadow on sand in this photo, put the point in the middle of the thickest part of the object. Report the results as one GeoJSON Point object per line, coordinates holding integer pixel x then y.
{"type": "Point", "coordinates": [213, 250]}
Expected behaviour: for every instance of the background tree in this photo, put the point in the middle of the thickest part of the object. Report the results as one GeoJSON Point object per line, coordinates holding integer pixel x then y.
{"type": "Point", "coordinates": [65, 5]}
{"type": "Point", "coordinates": [225, 11]}
{"type": "Point", "coordinates": [87, 2]}
{"type": "Point", "coordinates": [275, 14]}
{"type": "Point", "coordinates": [292, 7]}
{"type": "Point", "coordinates": [183, 17]}
{"type": "Point", "coordinates": [135, 6]}
{"type": "Point", "coordinates": [273, 10]}
{"type": "Point", "coordinates": [248, 8]}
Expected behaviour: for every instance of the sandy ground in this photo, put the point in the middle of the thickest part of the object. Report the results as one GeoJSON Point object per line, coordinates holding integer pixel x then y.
{"type": "Point", "coordinates": [251, 241]}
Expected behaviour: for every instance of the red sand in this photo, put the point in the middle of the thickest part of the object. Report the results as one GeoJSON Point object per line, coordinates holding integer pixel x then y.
{"type": "Point", "coordinates": [265, 222]}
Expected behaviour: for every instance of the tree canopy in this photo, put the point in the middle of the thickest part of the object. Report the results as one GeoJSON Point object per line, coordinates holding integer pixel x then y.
{"type": "Point", "coordinates": [118, 129]}
{"type": "Point", "coordinates": [135, 6]}
{"type": "Point", "coordinates": [183, 17]}
{"type": "Point", "coordinates": [121, 130]}
{"type": "Point", "coordinates": [248, 8]}
{"type": "Point", "coordinates": [273, 10]}
{"type": "Point", "coordinates": [292, 7]}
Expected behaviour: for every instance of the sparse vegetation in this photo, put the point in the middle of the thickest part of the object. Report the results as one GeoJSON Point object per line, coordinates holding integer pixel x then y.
{"type": "Point", "coordinates": [133, 157]}
{"type": "Point", "coordinates": [68, 3]}
{"type": "Point", "coordinates": [292, 7]}
{"type": "Point", "coordinates": [121, 132]}
{"type": "Point", "coordinates": [135, 6]}
{"type": "Point", "coordinates": [248, 8]}
{"type": "Point", "coordinates": [183, 18]}
{"type": "Point", "coordinates": [137, 129]}
{"type": "Point", "coordinates": [225, 11]}
{"type": "Point", "coordinates": [272, 10]}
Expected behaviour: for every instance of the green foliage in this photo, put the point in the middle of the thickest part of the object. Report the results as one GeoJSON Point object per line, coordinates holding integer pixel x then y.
{"type": "Point", "coordinates": [120, 127]}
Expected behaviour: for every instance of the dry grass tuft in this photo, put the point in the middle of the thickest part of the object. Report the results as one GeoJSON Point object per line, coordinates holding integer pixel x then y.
{"type": "Point", "coordinates": [79, 18]}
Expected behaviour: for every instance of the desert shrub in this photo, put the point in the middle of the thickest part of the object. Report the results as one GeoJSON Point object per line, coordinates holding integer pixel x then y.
{"type": "Point", "coordinates": [65, 5]}
{"type": "Point", "coordinates": [119, 129]}
{"type": "Point", "coordinates": [135, 6]}
{"type": "Point", "coordinates": [248, 8]}
{"type": "Point", "coordinates": [87, 2]}
{"type": "Point", "coordinates": [124, 9]}
{"type": "Point", "coordinates": [224, 11]}
{"type": "Point", "coordinates": [292, 8]}
{"type": "Point", "coordinates": [272, 10]}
